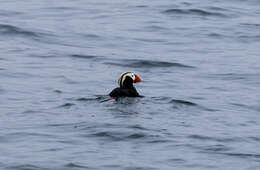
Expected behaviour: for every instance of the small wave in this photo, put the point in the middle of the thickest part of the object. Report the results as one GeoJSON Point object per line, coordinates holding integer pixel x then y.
{"type": "Point", "coordinates": [133, 167]}
{"type": "Point", "coordinates": [62, 8]}
{"type": "Point", "coordinates": [147, 64]}
{"type": "Point", "coordinates": [9, 13]}
{"type": "Point", "coordinates": [215, 35]}
{"type": "Point", "coordinates": [163, 99]}
{"type": "Point", "coordinates": [177, 103]}
{"type": "Point", "coordinates": [257, 139]}
{"type": "Point", "coordinates": [245, 106]}
{"type": "Point", "coordinates": [154, 28]}
{"type": "Point", "coordinates": [91, 36]}
{"type": "Point", "coordinates": [198, 12]}
{"type": "Point", "coordinates": [155, 40]}
{"type": "Point", "coordinates": [241, 105]}
{"type": "Point", "coordinates": [108, 135]}
{"type": "Point", "coordinates": [136, 136]}
{"type": "Point", "coordinates": [74, 165]}
{"type": "Point", "coordinates": [242, 155]}
{"type": "Point", "coordinates": [13, 30]}
{"type": "Point", "coordinates": [85, 99]}
{"type": "Point", "coordinates": [200, 137]}
{"type": "Point", "coordinates": [46, 56]}
{"type": "Point", "coordinates": [99, 98]}
{"type": "Point", "coordinates": [141, 6]}
{"type": "Point", "coordinates": [250, 77]}
{"type": "Point", "coordinates": [29, 111]}
{"type": "Point", "coordinates": [183, 102]}
{"type": "Point", "coordinates": [84, 56]}
{"type": "Point", "coordinates": [217, 8]}
{"type": "Point", "coordinates": [66, 105]}
{"type": "Point", "coordinates": [65, 125]}
{"type": "Point", "coordinates": [22, 135]}
{"type": "Point", "coordinates": [177, 160]}
{"type": "Point", "coordinates": [25, 167]}
{"type": "Point", "coordinates": [216, 148]}
{"type": "Point", "coordinates": [160, 141]}
{"type": "Point", "coordinates": [254, 25]}
{"type": "Point", "coordinates": [218, 139]}
{"type": "Point", "coordinates": [249, 38]}
{"type": "Point", "coordinates": [20, 75]}
{"type": "Point", "coordinates": [58, 91]}
{"type": "Point", "coordinates": [120, 136]}
{"type": "Point", "coordinates": [138, 127]}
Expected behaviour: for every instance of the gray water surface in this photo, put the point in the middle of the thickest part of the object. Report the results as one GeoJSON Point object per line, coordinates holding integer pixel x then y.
{"type": "Point", "coordinates": [200, 66]}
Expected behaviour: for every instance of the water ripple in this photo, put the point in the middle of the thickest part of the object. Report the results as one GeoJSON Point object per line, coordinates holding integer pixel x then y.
{"type": "Point", "coordinates": [241, 155]}
{"type": "Point", "coordinates": [133, 63]}
{"type": "Point", "coordinates": [247, 106]}
{"type": "Point", "coordinates": [198, 12]}
{"type": "Point", "coordinates": [27, 167]}
{"type": "Point", "coordinates": [97, 98]}
{"type": "Point", "coordinates": [216, 148]}
{"type": "Point", "coordinates": [218, 139]}
{"type": "Point", "coordinates": [75, 165]}
{"type": "Point", "coordinates": [9, 13]}
{"type": "Point", "coordinates": [66, 105]}
{"type": "Point", "coordinates": [139, 168]}
{"type": "Point", "coordinates": [174, 102]}
{"type": "Point", "coordinates": [85, 56]}
{"type": "Point", "coordinates": [6, 29]}
{"type": "Point", "coordinates": [243, 77]}
{"type": "Point", "coordinates": [183, 102]}
{"type": "Point", "coordinates": [124, 136]}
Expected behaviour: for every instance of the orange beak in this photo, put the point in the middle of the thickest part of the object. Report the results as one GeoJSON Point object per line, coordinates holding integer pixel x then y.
{"type": "Point", "coordinates": [137, 79]}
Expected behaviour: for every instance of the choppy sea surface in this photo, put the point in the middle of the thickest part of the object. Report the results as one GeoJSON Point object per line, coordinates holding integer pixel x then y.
{"type": "Point", "coordinates": [200, 65]}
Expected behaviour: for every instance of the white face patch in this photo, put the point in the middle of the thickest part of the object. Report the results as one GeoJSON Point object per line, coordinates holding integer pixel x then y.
{"type": "Point", "coordinates": [123, 76]}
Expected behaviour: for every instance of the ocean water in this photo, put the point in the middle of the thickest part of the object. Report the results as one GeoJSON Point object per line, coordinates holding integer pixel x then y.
{"type": "Point", "coordinates": [200, 66]}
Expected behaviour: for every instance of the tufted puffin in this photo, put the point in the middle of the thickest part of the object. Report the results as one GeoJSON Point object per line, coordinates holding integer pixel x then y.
{"type": "Point", "coordinates": [126, 88]}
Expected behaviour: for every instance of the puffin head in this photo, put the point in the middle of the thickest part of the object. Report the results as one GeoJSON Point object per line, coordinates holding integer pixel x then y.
{"type": "Point", "coordinates": [127, 79]}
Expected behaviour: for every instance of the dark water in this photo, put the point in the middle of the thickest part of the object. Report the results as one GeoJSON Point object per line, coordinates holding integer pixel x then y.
{"type": "Point", "coordinates": [200, 65]}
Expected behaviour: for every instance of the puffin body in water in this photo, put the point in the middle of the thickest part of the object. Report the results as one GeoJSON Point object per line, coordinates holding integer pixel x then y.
{"type": "Point", "coordinates": [126, 88]}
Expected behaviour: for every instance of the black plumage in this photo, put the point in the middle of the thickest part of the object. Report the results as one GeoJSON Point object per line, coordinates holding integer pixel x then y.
{"type": "Point", "coordinates": [126, 88]}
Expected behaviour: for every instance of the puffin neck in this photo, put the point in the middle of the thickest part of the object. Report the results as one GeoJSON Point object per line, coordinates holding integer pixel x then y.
{"type": "Point", "coordinates": [128, 83]}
